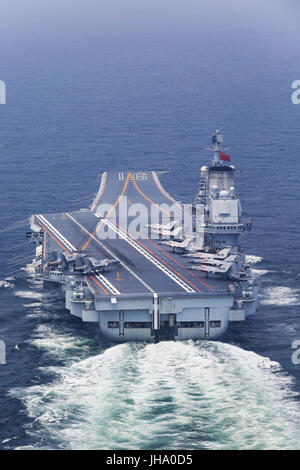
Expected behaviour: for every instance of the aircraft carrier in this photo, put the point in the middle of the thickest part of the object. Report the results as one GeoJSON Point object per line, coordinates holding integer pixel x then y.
{"type": "Point", "coordinates": [146, 267]}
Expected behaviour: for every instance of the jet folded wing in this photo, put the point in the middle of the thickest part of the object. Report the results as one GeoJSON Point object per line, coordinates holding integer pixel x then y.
{"type": "Point", "coordinates": [223, 253]}
{"type": "Point", "coordinates": [211, 261]}
{"type": "Point", "coordinates": [221, 269]}
{"type": "Point", "coordinates": [169, 233]}
{"type": "Point", "coordinates": [102, 263]}
{"type": "Point", "coordinates": [202, 255]}
{"type": "Point", "coordinates": [168, 226]}
{"type": "Point", "coordinates": [174, 244]}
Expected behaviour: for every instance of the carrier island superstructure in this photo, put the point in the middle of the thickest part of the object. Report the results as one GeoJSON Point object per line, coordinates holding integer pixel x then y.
{"type": "Point", "coordinates": [146, 267]}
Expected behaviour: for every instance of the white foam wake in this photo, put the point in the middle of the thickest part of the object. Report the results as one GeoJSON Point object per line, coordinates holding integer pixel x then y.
{"type": "Point", "coordinates": [252, 259]}
{"type": "Point", "coordinates": [280, 295]}
{"type": "Point", "coordinates": [7, 282]}
{"type": "Point", "coordinates": [256, 273]}
{"type": "Point", "coordinates": [60, 344]}
{"type": "Point", "coordinates": [167, 396]}
{"type": "Point", "coordinates": [29, 268]}
{"type": "Point", "coordinates": [29, 294]}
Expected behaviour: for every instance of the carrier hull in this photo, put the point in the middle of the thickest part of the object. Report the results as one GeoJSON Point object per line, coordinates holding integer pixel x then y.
{"type": "Point", "coordinates": [146, 267]}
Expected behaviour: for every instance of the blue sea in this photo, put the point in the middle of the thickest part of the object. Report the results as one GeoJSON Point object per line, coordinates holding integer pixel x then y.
{"type": "Point", "coordinates": [95, 86]}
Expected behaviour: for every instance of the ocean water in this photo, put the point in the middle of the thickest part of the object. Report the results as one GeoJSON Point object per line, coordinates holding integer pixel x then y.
{"type": "Point", "coordinates": [103, 88]}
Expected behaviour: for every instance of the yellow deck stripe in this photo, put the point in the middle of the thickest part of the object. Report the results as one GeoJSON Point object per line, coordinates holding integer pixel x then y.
{"type": "Point", "coordinates": [110, 210]}
{"type": "Point", "coordinates": [128, 177]}
{"type": "Point", "coordinates": [148, 199]}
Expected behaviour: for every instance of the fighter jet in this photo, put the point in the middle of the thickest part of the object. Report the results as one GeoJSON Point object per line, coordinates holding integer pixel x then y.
{"type": "Point", "coordinates": [220, 269]}
{"type": "Point", "coordinates": [64, 260]}
{"type": "Point", "coordinates": [169, 233]}
{"type": "Point", "coordinates": [168, 226]}
{"type": "Point", "coordinates": [167, 230]}
{"type": "Point", "coordinates": [210, 261]}
{"type": "Point", "coordinates": [220, 255]}
{"type": "Point", "coordinates": [88, 264]}
{"type": "Point", "coordinates": [178, 246]}
{"type": "Point", "coordinates": [100, 265]}
{"type": "Point", "coordinates": [81, 263]}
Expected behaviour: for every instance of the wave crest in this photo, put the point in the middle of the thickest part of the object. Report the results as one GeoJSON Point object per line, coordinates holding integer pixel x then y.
{"type": "Point", "coordinates": [207, 395]}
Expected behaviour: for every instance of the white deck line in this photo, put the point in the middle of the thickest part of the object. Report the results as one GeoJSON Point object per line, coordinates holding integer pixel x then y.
{"type": "Point", "coordinates": [107, 284]}
{"type": "Point", "coordinates": [69, 245]}
{"type": "Point", "coordinates": [100, 192]}
{"type": "Point", "coordinates": [57, 233]}
{"type": "Point", "coordinates": [111, 254]}
{"type": "Point", "coordinates": [148, 256]}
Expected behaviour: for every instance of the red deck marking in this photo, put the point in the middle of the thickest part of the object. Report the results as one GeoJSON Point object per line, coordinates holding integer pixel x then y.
{"type": "Point", "coordinates": [118, 277]}
{"type": "Point", "coordinates": [54, 238]}
{"type": "Point", "coordinates": [90, 285]}
{"type": "Point", "coordinates": [168, 198]}
{"type": "Point", "coordinates": [177, 262]}
{"type": "Point", "coordinates": [100, 285]}
{"type": "Point", "coordinates": [148, 199]}
{"type": "Point", "coordinates": [156, 256]}
{"type": "Point", "coordinates": [209, 287]}
{"type": "Point", "coordinates": [109, 212]}
{"type": "Point", "coordinates": [101, 194]}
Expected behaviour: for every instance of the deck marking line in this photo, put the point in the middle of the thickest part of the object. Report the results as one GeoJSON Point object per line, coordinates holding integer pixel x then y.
{"type": "Point", "coordinates": [92, 277]}
{"type": "Point", "coordinates": [57, 233]}
{"type": "Point", "coordinates": [170, 267]}
{"type": "Point", "coordinates": [108, 284]}
{"type": "Point", "coordinates": [64, 248]}
{"type": "Point", "coordinates": [147, 255]}
{"type": "Point", "coordinates": [148, 199]}
{"type": "Point", "coordinates": [181, 265]}
{"type": "Point", "coordinates": [110, 210]}
{"type": "Point", "coordinates": [111, 254]}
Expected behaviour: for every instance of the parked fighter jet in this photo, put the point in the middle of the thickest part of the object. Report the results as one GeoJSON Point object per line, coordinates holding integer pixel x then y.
{"type": "Point", "coordinates": [81, 263]}
{"type": "Point", "coordinates": [165, 231]}
{"type": "Point", "coordinates": [168, 226]}
{"type": "Point", "coordinates": [100, 265]}
{"type": "Point", "coordinates": [219, 255]}
{"type": "Point", "coordinates": [178, 246]}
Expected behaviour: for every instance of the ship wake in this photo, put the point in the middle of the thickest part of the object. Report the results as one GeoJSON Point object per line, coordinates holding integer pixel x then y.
{"type": "Point", "coordinates": [205, 395]}
{"type": "Point", "coordinates": [280, 296]}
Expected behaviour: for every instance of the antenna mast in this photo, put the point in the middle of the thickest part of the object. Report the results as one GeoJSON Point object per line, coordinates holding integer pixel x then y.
{"type": "Point", "coordinates": [217, 140]}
